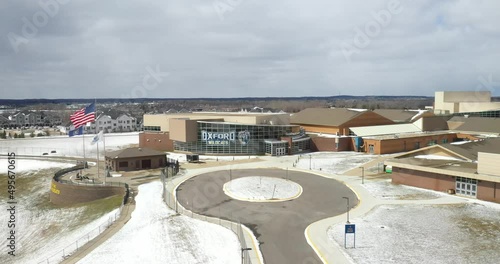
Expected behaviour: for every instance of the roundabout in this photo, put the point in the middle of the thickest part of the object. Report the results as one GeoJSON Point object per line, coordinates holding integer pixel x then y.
{"type": "Point", "coordinates": [279, 226]}
{"type": "Point", "coordinates": [262, 189]}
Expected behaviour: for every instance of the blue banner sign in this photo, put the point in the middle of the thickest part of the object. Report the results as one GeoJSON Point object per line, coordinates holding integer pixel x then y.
{"type": "Point", "coordinates": [350, 229]}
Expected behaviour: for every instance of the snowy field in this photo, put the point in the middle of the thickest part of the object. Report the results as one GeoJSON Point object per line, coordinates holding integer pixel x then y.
{"type": "Point", "coordinates": [32, 166]}
{"type": "Point", "coordinates": [67, 146]}
{"type": "Point", "coordinates": [463, 233]}
{"type": "Point", "coordinates": [155, 234]}
{"type": "Point", "coordinates": [333, 162]}
{"type": "Point", "coordinates": [257, 188]}
{"type": "Point", "coordinates": [384, 189]}
{"type": "Point", "coordinates": [42, 229]}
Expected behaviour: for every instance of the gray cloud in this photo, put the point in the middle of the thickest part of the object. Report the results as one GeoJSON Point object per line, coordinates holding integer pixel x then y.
{"type": "Point", "coordinates": [256, 48]}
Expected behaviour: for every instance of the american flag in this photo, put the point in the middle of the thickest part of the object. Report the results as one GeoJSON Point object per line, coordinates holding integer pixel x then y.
{"type": "Point", "coordinates": [83, 116]}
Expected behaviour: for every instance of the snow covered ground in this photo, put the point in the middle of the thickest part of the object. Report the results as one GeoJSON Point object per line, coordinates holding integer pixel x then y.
{"type": "Point", "coordinates": [67, 146]}
{"type": "Point", "coordinates": [42, 229]}
{"type": "Point", "coordinates": [334, 162]}
{"type": "Point", "coordinates": [257, 188]}
{"type": "Point", "coordinates": [462, 233]}
{"type": "Point", "coordinates": [384, 189]}
{"type": "Point", "coordinates": [25, 165]}
{"type": "Point", "coordinates": [155, 234]}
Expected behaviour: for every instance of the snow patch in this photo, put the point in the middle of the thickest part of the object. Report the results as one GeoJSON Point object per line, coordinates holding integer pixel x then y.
{"type": "Point", "coordinates": [436, 157]}
{"type": "Point", "coordinates": [333, 162]}
{"type": "Point", "coordinates": [23, 165]}
{"type": "Point", "coordinates": [156, 234]}
{"type": "Point", "coordinates": [67, 146]}
{"type": "Point", "coordinates": [423, 234]}
{"type": "Point", "coordinates": [262, 189]}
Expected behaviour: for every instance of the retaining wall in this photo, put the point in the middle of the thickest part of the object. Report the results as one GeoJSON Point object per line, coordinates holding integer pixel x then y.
{"type": "Point", "coordinates": [68, 193]}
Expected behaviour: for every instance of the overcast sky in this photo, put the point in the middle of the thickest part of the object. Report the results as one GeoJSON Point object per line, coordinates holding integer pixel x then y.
{"type": "Point", "coordinates": [246, 48]}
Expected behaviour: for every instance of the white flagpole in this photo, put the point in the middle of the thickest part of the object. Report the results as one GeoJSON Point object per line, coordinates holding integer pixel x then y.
{"type": "Point", "coordinates": [97, 158]}
{"type": "Point", "coordinates": [104, 147]}
{"type": "Point", "coordinates": [95, 121]}
{"type": "Point", "coordinates": [83, 141]}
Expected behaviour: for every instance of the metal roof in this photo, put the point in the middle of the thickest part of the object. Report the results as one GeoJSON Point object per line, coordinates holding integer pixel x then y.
{"type": "Point", "coordinates": [397, 115]}
{"type": "Point", "coordinates": [470, 150]}
{"type": "Point", "coordinates": [324, 116]}
{"type": "Point", "coordinates": [476, 124]}
{"type": "Point", "coordinates": [134, 153]}
{"type": "Point", "coordinates": [385, 130]}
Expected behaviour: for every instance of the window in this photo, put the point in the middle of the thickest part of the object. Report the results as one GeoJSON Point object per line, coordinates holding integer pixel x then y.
{"type": "Point", "coordinates": [123, 164]}
{"type": "Point", "coordinates": [445, 140]}
{"type": "Point", "coordinates": [151, 128]}
{"type": "Point", "coordinates": [371, 149]}
{"type": "Point", "coordinates": [417, 145]}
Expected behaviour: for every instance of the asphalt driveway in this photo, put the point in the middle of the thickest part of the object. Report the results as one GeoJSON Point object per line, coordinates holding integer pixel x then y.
{"type": "Point", "coordinates": [279, 226]}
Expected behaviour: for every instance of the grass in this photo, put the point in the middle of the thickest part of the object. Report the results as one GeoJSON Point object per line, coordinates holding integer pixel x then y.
{"type": "Point", "coordinates": [35, 188]}
{"type": "Point", "coordinates": [100, 207]}
{"type": "Point", "coordinates": [26, 183]}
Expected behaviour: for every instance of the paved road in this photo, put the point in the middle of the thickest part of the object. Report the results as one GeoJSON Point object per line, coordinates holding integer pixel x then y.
{"type": "Point", "coordinates": [279, 226]}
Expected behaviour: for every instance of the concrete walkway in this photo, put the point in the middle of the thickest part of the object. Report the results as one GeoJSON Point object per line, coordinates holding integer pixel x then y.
{"type": "Point", "coordinates": [327, 249]}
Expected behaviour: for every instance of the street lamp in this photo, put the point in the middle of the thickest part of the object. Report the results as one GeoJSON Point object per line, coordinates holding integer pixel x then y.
{"type": "Point", "coordinates": [362, 175]}
{"type": "Point", "coordinates": [347, 198]}
{"type": "Point", "coordinates": [242, 251]}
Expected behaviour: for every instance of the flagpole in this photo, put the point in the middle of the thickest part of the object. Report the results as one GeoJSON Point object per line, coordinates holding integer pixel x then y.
{"type": "Point", "coordinates": [95, 121]}
{"type": "Point", "coordinates": [83, 144]}
{"type": "Point", "coordinates": [97, 159]}
{"type": "Point", "coordinates": [104, 147]}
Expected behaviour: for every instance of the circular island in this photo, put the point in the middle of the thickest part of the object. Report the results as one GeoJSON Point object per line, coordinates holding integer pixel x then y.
{"type": "Point", "coordinates": [262, 189]}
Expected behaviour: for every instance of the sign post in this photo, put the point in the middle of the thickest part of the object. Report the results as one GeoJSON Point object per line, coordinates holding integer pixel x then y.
{"type": "Point", "coordinates": [350, 229]}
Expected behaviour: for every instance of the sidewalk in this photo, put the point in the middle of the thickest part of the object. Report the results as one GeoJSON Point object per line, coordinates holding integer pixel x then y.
{"type": "Point", "coordinates": [316, 233]}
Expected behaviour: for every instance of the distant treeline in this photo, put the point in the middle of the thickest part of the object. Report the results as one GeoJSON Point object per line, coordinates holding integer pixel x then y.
{"type": "Point", "coordinates": [26, 102]}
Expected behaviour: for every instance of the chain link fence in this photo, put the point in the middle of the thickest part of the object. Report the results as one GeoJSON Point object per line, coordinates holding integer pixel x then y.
{"type": "Point", "coordinates": [66, 252]}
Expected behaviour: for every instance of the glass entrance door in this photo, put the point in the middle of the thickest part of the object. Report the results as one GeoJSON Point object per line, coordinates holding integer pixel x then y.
{"type": "Point", "coordinates": [466, 186]}
{"type": "Point", "coordinates": [280, 151]}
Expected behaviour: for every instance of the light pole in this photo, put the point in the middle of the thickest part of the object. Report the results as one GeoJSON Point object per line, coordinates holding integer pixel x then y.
{"type": "Point", "coordinates": [362, 175]}
{"type": "Point", "coordinates": [347, 198]}
{"type": "Point", "coordinates": [242, 251]}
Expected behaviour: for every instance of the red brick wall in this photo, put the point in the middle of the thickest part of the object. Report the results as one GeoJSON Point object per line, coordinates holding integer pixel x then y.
{"type": "Point", "coordinates": [398, 144]}
{"type": "Point", "coordinates": [156, 140]}
{"type": "Point", "coordinates": [421, 179]}
{"type": "Point", "coordinates": [289, 148]}
{"type": "Point", "coordinates": [488, 191]}
{"type": "Point", "coordinates": [328, 144]}
{"type": "Point", "coordinates": [156, 162]}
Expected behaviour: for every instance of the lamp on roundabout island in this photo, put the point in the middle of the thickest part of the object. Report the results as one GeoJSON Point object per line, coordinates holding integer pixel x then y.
{"type": "Point", "coordinates": [242, 251]}
{"type": "Point", "coordinates": [347, 198]}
